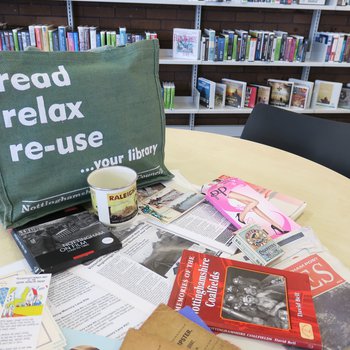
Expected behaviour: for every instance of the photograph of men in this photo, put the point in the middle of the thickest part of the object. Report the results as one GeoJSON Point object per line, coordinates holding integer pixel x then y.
{"type": "Point", "coordinates": [255, 297]}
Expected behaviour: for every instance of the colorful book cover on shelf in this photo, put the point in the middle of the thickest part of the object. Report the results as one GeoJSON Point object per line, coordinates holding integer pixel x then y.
{"type": "Point", "coordinates": [309, 84]}
{"type": "Point", "coordinates": [206, 89]}
{"type": "Point", "coordinates": [281, 92]}
{"type": "Point", "coordinates": [235, 92]}
{"type": "Point", "coordinates": [220, 95]}
{"type": "Point", "coordinates": [211, 43]}
{"type": "Point", "coordinates": [299, 96]}
{"type": "Point", "coordinates": [344, 99]}
{"type": "Point", "coordinates": [291, 206]}
{"type": "Point", "coordinates": [326, 94]}
{"type": "Point", "coordinates": [186, 43]}
{"type": "Point", "coordinates": [248, 300]}
{"type": "Point", "coordinates": [250, 96]}
{"type": "Point", "coordinates": [263, 95]}
{"type": "Point", "coordinates": [64, 239]}
{"type": "Point", "coordinates": [242, 205]}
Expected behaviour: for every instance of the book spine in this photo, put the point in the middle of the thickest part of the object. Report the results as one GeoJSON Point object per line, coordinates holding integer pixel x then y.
{"type": "Point", "coordinates": [70, 40]}
{"type": "Point", "coordinates": [31, 30]}
{"type": "Point", "coordinates": [339, 49]}
{"type": "Point", "coordinates": [81, 38]}
{"type": "Point", "coordinates": [55, 41]}
{"type": "Point", "coordinates": [11, 42]}
{"type": "Point", "coordinates": [3, 42]}
{"type": "Point", "coordinates": [28, 256]}
{"type": "Point", "coordinates": [252, 49]}
{"type": "Point", "coordinates": [234, 49]}
{"type": "Point", "coordinates": [15, 39]}
{"type": "Point", "coordinates": [341, 58]}
{"type": "Point", "coordinates": [292, 49]}
{"type": "Point", "coordinates": [244, 43]}
{"type": "Point", "coordinates": [38, 37]}
{"type": "Point", "coordinates": [62, 38]}
{"type": "Point", "coordinates": [45, 38]}
{"type": "Point", "coordinates": [7, 40]}
{"type": "Point", "coordinates": [280, 340]}
{"type": "Point", "coordinates": [93, 37]}
{"type": "Point", "coordinates": [347, 50]}
{"type": "Point", "coordinates": [333, 48]}
{"type": "Point", "coordinates": [76, 41]}
{"type": "Point", "coordinates": [103, 37]}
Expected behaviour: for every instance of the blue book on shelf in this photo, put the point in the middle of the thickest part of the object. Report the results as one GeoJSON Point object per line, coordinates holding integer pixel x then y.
{"type": "Point", "coordinates": [76, 41]}
{"type": "Point", "coordinates": [62, 38]}
{"type": "Point", "coordinates": [98, 39]}
{"type": "Point", "coordinates": [220, 48]}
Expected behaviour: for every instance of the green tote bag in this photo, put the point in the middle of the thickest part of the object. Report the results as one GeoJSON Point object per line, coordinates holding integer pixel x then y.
{"type": "Point", "coordinates": [65, 114]}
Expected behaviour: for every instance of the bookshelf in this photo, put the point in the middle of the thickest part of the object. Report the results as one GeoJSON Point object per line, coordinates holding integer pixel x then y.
{"type": "Point", "coordinates": [186, 112]}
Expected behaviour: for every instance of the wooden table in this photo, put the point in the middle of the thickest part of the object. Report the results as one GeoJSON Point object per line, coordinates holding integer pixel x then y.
{"type": "Point", "coordinates": [203, 156]}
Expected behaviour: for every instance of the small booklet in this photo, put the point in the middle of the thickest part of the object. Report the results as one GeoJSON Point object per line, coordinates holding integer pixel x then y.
{"type": "Point", "coordinates": [242, 205]}
{"type": "Point", "coordinates": [65, 239]}
{"type": "Point", "coordinates": [257, 245]}
{"type": "Point", "coordinates": [291, 206]}
{"type": "Point", "coordinates": [253, 301]}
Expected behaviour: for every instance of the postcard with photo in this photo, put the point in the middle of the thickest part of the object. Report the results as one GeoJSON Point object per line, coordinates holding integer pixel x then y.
{"type": "Point", "coordinates": [281, 92]}
{"type": "Point", "coordinates": [166, 202]}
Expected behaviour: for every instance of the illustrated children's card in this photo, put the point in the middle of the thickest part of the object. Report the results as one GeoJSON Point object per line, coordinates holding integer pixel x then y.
{"type": "Point", "coordinates": [22, 301]}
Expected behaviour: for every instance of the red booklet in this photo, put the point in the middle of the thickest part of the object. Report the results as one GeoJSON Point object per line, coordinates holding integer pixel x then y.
{"type": "Point", "coordinates": [258, 302]}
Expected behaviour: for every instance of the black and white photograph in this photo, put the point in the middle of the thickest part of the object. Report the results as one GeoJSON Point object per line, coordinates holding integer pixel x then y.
{"type": "Point", "coordinates": [255, 297]}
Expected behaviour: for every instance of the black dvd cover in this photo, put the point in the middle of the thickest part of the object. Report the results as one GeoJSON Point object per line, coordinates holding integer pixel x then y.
{"type": "Point", "coordinates": [64, 239]}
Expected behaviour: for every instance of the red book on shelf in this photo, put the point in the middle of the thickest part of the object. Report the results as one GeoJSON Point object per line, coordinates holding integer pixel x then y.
{"type": "Point", "coordinates": [248, 300]}
{"type": "Point", "coordinates": [38, 36]}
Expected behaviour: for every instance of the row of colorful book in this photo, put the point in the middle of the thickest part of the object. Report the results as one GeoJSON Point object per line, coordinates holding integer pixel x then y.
{"type": "Point", "coordinates": [239, 45]}
{"type": "Point", "coordinates": [63, 38]}
{"type": "Point", "coordinates": [289, 2]}
{"type": "Point", "coordinates": [168, 92]}
{"type": "Point", "coordinates": [294, 93]}
{"type": "Point", "coordinates": [331, 47]}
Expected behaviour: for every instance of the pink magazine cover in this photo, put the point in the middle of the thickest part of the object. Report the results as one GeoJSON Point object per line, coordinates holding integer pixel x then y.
{"type": "Point", "coordinates": [242, 205]}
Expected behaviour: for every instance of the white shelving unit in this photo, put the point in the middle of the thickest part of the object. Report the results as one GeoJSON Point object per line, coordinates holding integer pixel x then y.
{"type": "Point", "coordinates": [189, 104]}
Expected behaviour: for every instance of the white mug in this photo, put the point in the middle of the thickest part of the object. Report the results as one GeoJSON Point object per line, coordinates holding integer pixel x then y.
{"type": "Point", "coordinates": [113, 194]}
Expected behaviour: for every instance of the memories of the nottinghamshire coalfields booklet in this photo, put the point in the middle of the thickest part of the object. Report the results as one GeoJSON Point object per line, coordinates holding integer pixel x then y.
{"type": "Point", "coordinates": [248, 300]}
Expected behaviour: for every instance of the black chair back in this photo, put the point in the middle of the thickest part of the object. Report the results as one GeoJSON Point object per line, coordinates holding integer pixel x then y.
{"type": "Point", "coordinates": [326, 142]}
